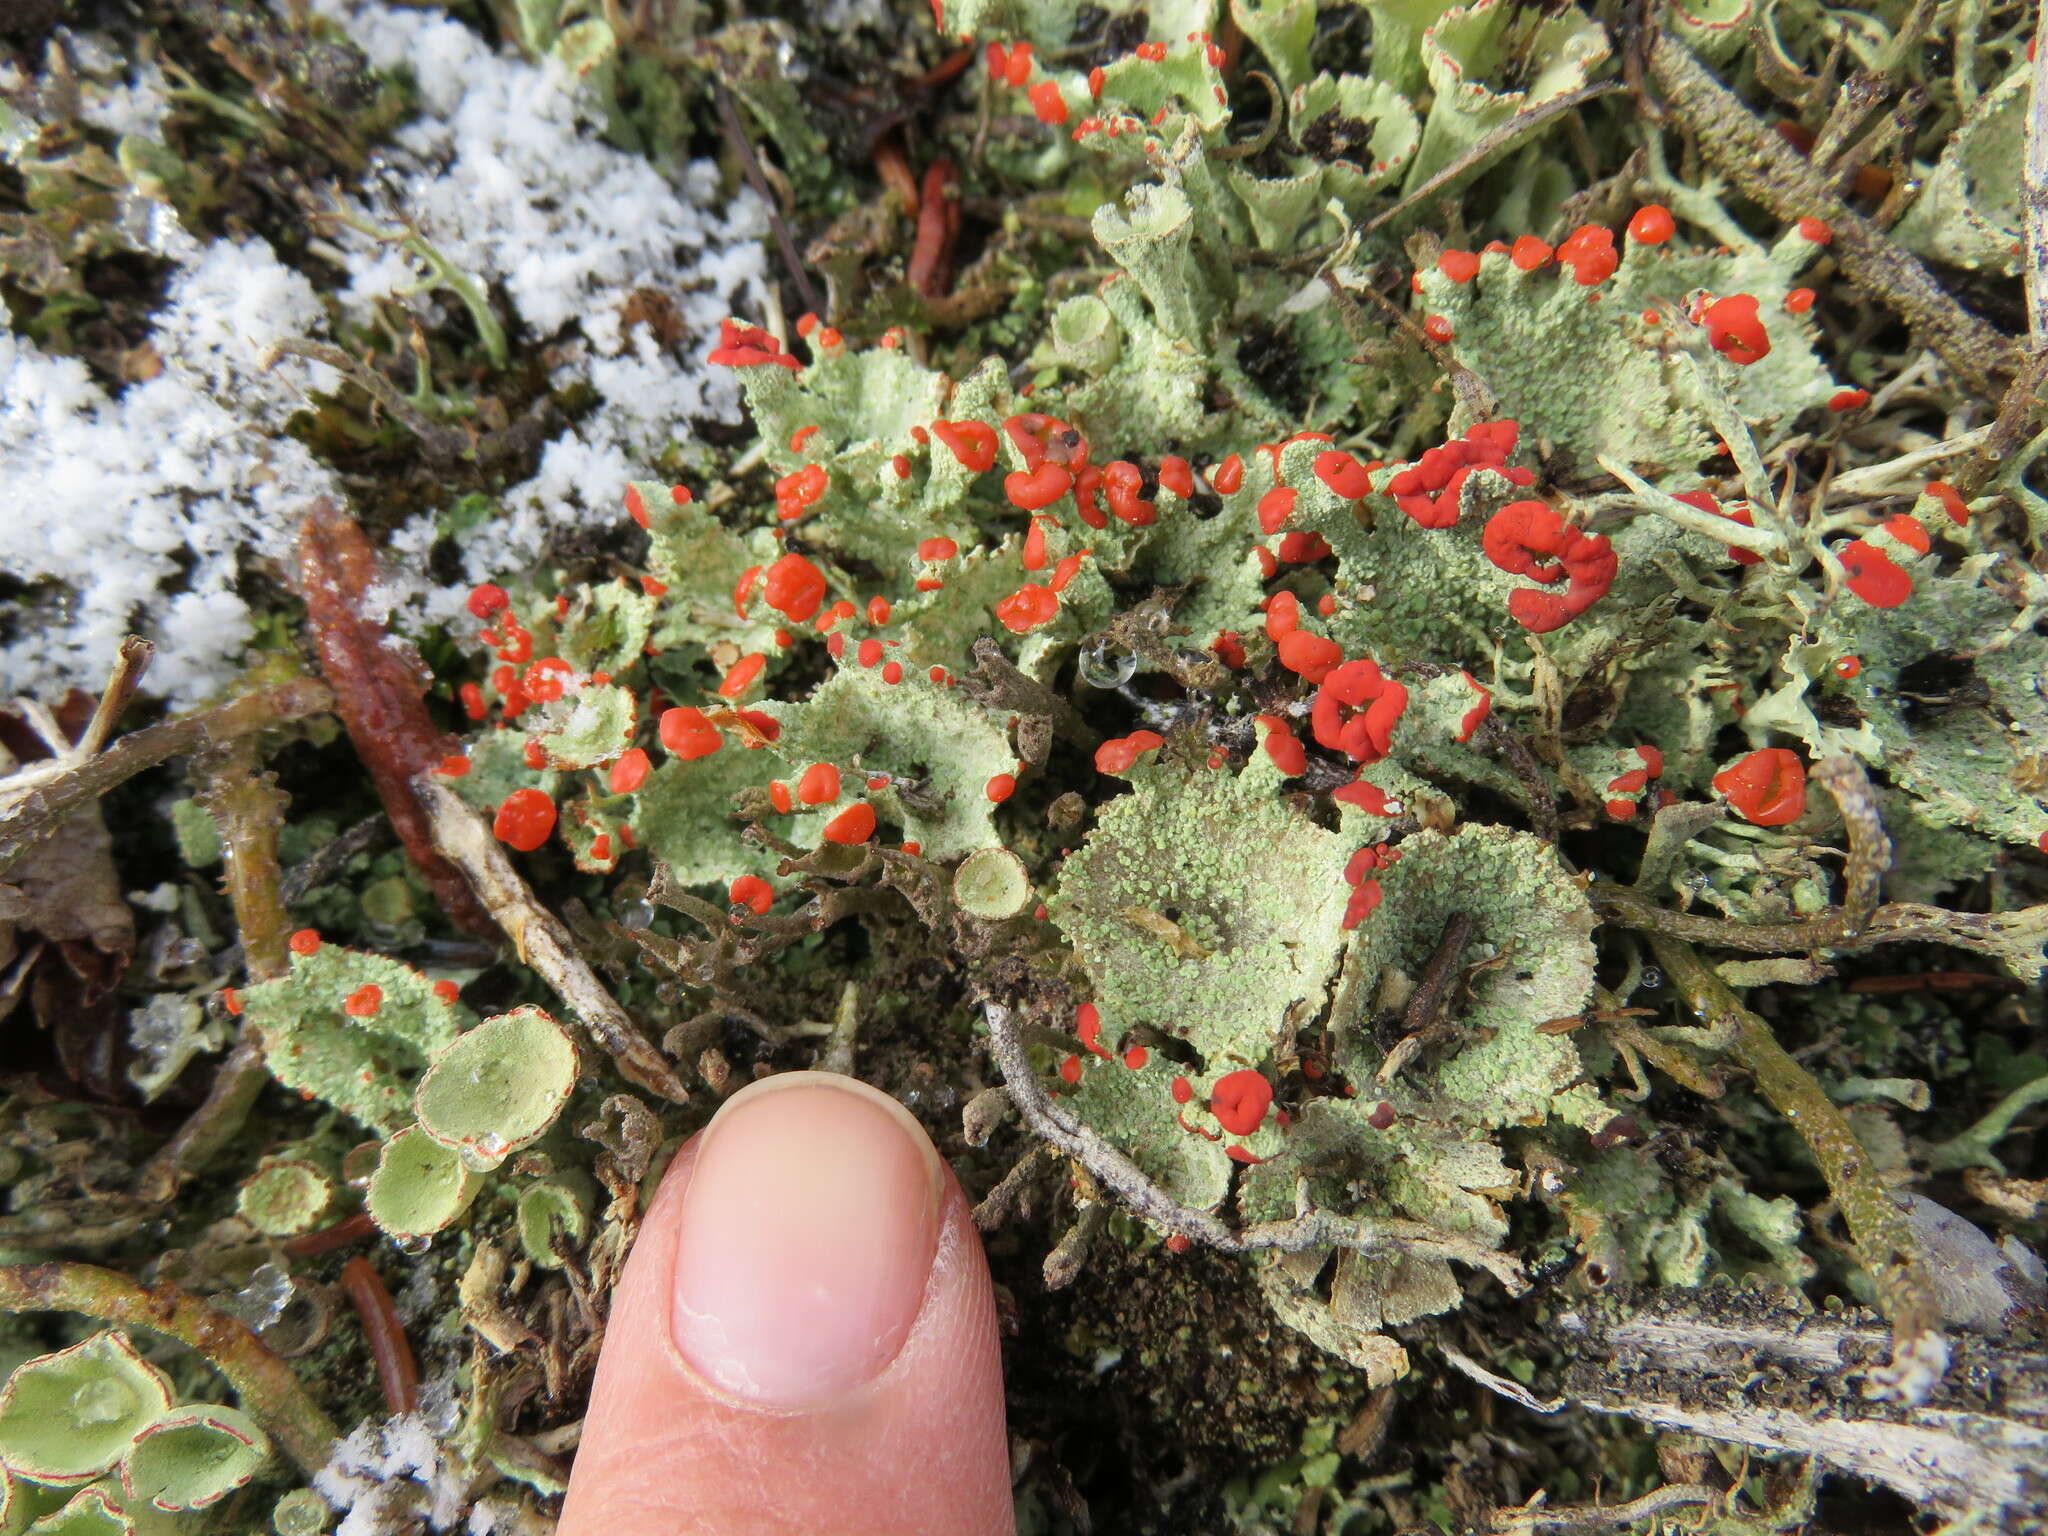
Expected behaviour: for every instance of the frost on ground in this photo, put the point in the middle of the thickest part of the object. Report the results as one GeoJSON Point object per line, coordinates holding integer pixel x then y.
{"type": "Point", "coordinates": [144, 509]}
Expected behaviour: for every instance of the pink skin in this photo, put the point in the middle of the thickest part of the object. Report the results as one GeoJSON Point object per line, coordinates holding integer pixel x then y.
{"type": "Point", "coordinates": [804, 1338]}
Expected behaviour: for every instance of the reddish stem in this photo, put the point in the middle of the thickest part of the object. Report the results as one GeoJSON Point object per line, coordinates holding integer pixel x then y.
{"type": "Point", "coordinates": [378, 694]}
{"type": "Point", "coordinates": [938, 227]}
{"type": "Point", "coordinates": [342, 1234]}
{"type": "Point", "coordinates": [396, 1372]}
{"type": "Point", "coordinates": [896, 174]}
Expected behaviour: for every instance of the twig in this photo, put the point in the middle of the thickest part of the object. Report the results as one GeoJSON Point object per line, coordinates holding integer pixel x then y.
{"type": "Point", "coordinates": [1769, 171]}
{"type": "Point", "coordinates": [2034, 191]}
{"type": "Point", "coordinates": [1492, 143]}
{"type": "Point", "coordinates": [249, 809]}
{"type": "Point", "coordinates": [1122, 1177]}
{"type": "Point", "coordinates": [397, 1373]}
{"type": "Point", "coordinates": [462, 837]}
{"type": "Point", "coordinates": [268, 1388]}
{"type": "Point", "coordinates": [1537, 1516]}
{"type": "Point", "coordinates": [1870, 850]}
{"type": "Point", "coordinates": [1878, 1229]}
{"type": "Point", "coordinates": [750, 167]}
{"type": "Point", "coordinates": [130, 662]}
{"type": "Point", "coordinates": [1972, 1148]}
{"type": "Point", "coordinates": [343, 1234]}
{"type": "Point", "coordinates": [32, 812]}
{"type": "Point", "coordinates": [994, 682]}
{"type": "Point", "coordinates": [930, 270]}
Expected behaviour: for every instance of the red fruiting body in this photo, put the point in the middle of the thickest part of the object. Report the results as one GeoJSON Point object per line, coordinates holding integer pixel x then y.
{"type": "Point", "coordinates": [1428, 490]}
{"type": "Point", "coordinates": [1458, 266]}
{"type": "Point", "coordinates": [472, 701]}
{"type": "Point", "coordinates": [855, 824]}
{"type": "Point", "coordinates": [1589, 252]}
{"type": "Point", "coordinates": [487, 600]}
{"type": "Point", "coordinates": [1029, 607]}
{"type": "Point", "coordinates": [1283, 746]}
{"type": "Point", "coordinates": [742, 675]}
{"type": "Point", "coordinates": [1047, 102]}
{"type": "Point", "coordinates": [1088, 1025]}
{"type": "Point", "coordinates": [687, 734]}
{"type": "Point", "coordinates": [743, 589]}
{"type": "Point", "coordinates": [746, 346]}
{"type": "Point", "coordinates": [752, 891]}
{"type": "Point", "coordinates": [796, 493]}
{"type": "Point", "coordinates": [1275, 507]}
{"type": "Point", "coordinates": [1652, 225]}
{"type": "Point", "coordinates": [1118, 753]}
{"type": "Point", "coordinates": [636, 508]}
{"type": "Point", "coordinates": [800, 436]}
{"type": "Point", "coordinates": [1362, 903]}
{"type": "Point", "coordinates": [1018, 70]}
{"type": "Point", "coordinates": [305, 941]}
{"type": "Point", "coordinates": [1239, 1101]}
{"type": "Point", "coordinates": [1367, 796]}
{"type": "Point", "coordinates": [1176, 476]}
{"type": "Point", "coordinates": [535, 755]}
{"type": "Point", "coordinates": [1183, 1091]}
{"type": "Point", "coordinates": [1034, 490]}
{"type": "Point", "coordinates": [1363, 735]}
{"type": "Point", "coordinates": [870, 652]}
{"type": "Point", "coordinates": [1309, 655]}
{"type": "Point", "coordinates": [1873, 575]}
{"type": "Point", "coordinates": [1228, 476]}
{"type": "Point", "coordinates": [1951, 501]}
{"type": "Point", "coordinates": [1907, 530]}
{"type": "Point", "coordinates": [1799, 301]}
{"type": "Point", "coordinates": [892, 674]}
{"type": "Point", "coordinates": [525, 819]}
{"type": "Point", "coordinates": [1067, 570]}
{"type": "Point", "coordinates": [794, 588]}
{"type": "Point", "coordinates": [1474, 717]}
{"type": "Point", "coordinates": [1307, 549]}
{"type": "Point", "coordinates": [937, 549]}
{"type": "Point", "coordinates": [1342, 474]}
{"type": "Point", "coordinates": [1767, 786]}
{"type": "Point", "coordinates": [447, 991]}
{"type": "Point", "coordinates": [879, 610]}
{"type": "Point", "coordinates": [1070, 1070]}
{"type": "Point", "coordinates": [1848, 400]}
{"type": "Point", "coordinates": [1283, 615]}
{"type": "Point", "coordinates": [819, 784]}
{"type": "Point", "coordinates": [452, 767]}
{"type": "Point", "coordinates": [778, 796]}
{"type": "Point", "coordinates": [1847, 667]}
{"type": "Point", "coordinates": [1000, 787]}
{"type": "Point", "coordinates": [1034, 545]}
{"type": "Point", "coordinates": [1816, 230]}
{"type": "Point", "coordinates": [1439, 330]}
{"type": "Point", "coordinates": [1228, 648]}
{"type": "Point", "coordinates": [973, 443]}
{"type": "Point", "coordinates": [629, 772]}
{"type": "Point", "coordinates": [1136, 1057]}
{"type": "Point", "coordinates": [1123, 485]}
{"type": "Point", "coordinates": [1735, 330]}
{"type": "Point", "coordinates": [364, 1002]}
{"type": "Point", "coordinates": [231, 999]}
{"type": "Point", "coordinates": [1523, 530]}
{"type": "Point", "coordinates": [1529, 253]}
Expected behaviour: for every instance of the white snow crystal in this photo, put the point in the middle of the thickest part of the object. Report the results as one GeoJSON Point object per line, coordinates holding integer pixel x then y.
{"type": "Point", "coordinates": [139, 509]}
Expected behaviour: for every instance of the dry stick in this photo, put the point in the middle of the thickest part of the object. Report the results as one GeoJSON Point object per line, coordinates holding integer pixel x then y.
{"type": "Point", "coordinates": [34, 815]}
{"type": "Point", "coordinates": [1770, 172]}
{"type": "Point", "coordinates": [463, 838]}
{"type": "Point", "coordinates": [249, 809]}
{"type": "Point", "coordinates": [1870, 850]}
{"type": "Point", "coordinates": [130, 662]}
{"type": "Point", "coordinates": [1511, 1518]}
{"type": "Point", "coordinates": [1878, 1229]}
{"type": "Point", "coordinates": [1122, 1177]}
{"type": "Point", "coordinates": [750, 167]}
{"type": "Point", "coordinates": [268, 1388]}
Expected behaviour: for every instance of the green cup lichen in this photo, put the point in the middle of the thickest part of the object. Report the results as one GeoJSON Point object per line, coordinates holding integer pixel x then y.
{"type": "Point", "coordinates": [302, 1512]}
{"type": "Point", "coordinates": [992, 884]}
{"type": "Point", "coordinates": [68, 1417]}
{"type": "Point", "coordinates": [284, 1197]}
{"type": "Point", "coordinates": [543, 1209]}
{"type": "Point", "coordinates": [192, 1458]}
{"type": "Point", "coordinates": [420, 1186]}
{"type": "Point", "coordinates": [498, 1087]}
{"type": "Point", "coordinates": [91, 1512]}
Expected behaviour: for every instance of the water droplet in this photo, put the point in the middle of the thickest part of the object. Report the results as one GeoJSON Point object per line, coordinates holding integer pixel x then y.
{"type": "Point", "coordinates": [262, 1301]}
{"type": "Point", "coordinates": [1652, 978]}
{"type": "Point", "coordinates": [636, 915]}
{"type": "Point", "coordinates": [412, 1247]}
{"type": "Point", "coordinates": [1099, 669]}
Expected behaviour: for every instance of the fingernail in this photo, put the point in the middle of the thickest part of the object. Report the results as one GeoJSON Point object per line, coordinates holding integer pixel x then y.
{"type": "Point", "coordinates": [806, 1239]}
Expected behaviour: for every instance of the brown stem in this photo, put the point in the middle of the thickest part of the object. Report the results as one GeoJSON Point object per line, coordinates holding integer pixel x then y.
{"type": "Point", "coordinates": [397, 1373]}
